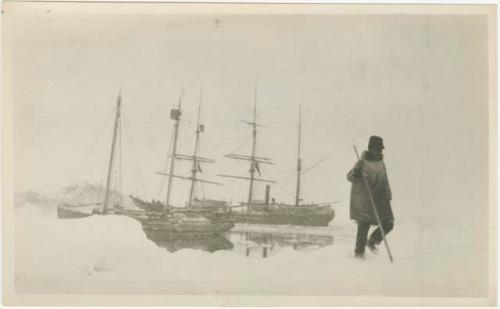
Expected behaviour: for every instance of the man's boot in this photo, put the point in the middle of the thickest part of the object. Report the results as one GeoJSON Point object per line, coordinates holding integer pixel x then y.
{"type": "Point", "coordinates": [372, 246]}
{"type": "Point", "coordinates": [359, 255]}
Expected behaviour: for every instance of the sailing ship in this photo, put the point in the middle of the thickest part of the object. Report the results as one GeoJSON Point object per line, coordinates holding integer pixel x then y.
{"type": "Point", "coordinates": [170, 222]}
{"type": "Point", "coordinates": [204, 217]}
{"type": "Point", "coordinates": [266, 212]}
{"type": "Point", "coordinates": [67, 211]}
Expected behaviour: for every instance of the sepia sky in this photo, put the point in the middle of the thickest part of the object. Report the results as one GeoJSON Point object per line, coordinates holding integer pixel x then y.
{"type": "Point", "coordinates": [419, 81]}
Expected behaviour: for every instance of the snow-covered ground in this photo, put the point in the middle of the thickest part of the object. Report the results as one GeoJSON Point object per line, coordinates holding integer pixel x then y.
{"type": "Point", "coordinates": [111, 254]}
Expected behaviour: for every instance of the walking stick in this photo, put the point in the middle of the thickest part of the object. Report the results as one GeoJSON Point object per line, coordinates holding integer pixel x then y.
{"type": "Point", "coordinates": [372, 201]}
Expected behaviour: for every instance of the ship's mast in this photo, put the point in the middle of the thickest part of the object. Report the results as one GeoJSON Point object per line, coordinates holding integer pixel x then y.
{"type": "Point", "coordinates": [176, 115]}
{"type": "Point", "coordinates": [299, 162]}
{"type": "Point", "coordinates": [194, 169]}
{"type": "Point", "coordinates": [253, 162]}
{"type": "Point", "coordinates": [112, 154]}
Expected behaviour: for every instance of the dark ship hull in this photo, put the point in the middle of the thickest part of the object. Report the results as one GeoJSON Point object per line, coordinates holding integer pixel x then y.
{"type": "Point", "coordinates": [173, 227]}
{"type": "Point", "coordinates": [69, 212]}
{"type": "Point", "coordinates": [181, 222]}
{"type": "Point", "coordinates": [309, 215]}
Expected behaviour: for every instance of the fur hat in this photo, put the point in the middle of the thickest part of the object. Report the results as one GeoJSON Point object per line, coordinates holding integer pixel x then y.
{"type": "Point", "coordinates": [376, 142]}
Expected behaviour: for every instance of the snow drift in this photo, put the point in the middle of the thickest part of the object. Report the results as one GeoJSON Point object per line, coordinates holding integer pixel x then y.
{"type": "Point", "coordinates": [111, 254]}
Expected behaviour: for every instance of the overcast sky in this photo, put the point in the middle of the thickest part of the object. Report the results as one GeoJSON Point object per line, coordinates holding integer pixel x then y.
{"type": "Point", "coordinates": [419, 81]}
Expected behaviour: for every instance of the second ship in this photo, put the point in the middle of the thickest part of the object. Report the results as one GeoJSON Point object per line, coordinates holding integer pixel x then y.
{"type": "Point", "coordinates": [270, 212]}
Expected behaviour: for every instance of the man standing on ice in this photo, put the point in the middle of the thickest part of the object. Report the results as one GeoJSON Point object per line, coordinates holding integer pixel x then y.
{"type": "Point", "coordinates": [372, 166]}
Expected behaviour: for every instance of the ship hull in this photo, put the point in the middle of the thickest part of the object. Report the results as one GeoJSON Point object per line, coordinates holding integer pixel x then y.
{"type": "Point", "coordinates": [166, 230]}
{"type": "Point", "coordinates": [159, 226]}
{"type": "Point", "coordinates": [196, 222]}
{"type": "Point", "coordinates": [69, 213]}
{"type": "Point", "coordinates": [320, 216]}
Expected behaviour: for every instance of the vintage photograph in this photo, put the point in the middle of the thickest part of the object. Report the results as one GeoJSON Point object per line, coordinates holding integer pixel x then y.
{"type": "Point", "coordinates": [248, 154]}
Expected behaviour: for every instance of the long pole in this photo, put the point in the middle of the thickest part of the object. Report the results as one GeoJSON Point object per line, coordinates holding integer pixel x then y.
{"type": "Point", "coordinates": [194, 169]}
{"type": "Point", "coordinates": [372, 201]}
{"type": "Point", "coordinates": [174, 150]}
{"type": "Point", "coordinates": [112, 154]}
{"type": "Point", "coordinates": [254, 142]}
{"type": "Point", "coordinates": [299, 163]}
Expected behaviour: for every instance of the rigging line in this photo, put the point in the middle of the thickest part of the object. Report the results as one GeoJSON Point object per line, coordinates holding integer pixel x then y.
{"type": "Point", "coordinates": [123, 157]}
{"type": "Point", "coordinates": [285, 190]}
{"type": "Point", "coordinates": [233, 166]}
{"type": "Point", "coordinates": [203, 192]}
{"type": "Point", "coordinates": [169, 150]}
{"type": "Point", "coordinates": [221, 145]}
{"type": "Point", "coordinates": [150, 181]}
{"type": "Point", "coordinates": [104, 176]}
{"type": "Point", "coordinates": [100, 190]}
{"type": "Point", "coordinates": [246, 142]}
{"type": "Point", "coordinates": [151, 158]}
{"type": "Point", "coordinates": [130, 164]}
{"type": "Point", "coordinates": [91, 147]}
{"type": "Point", "coordinates": [142, 99]}
{"type": "Point", "coordinates": [138, 177]}
{"type": "Point", "coordinates": [279, 127]}
{"type": "Point", "coordinates": [316, 164]}
{"type": "Point", "coordinates": [113, 193]}
{"type": "Point", "coordinates": [278, 185]}
{"type": "Point", "coordinates": [284, 171]}
{"type": "Point", "coordinates": [288, 181]}
{"type": "Point", "coordinates": [187, 119]}
{"type": "Point", "coordinates": [120, 167]}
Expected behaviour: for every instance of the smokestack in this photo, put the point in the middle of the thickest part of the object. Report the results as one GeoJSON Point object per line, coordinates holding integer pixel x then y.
{"type": "Point", "coordinates": [268, 193]}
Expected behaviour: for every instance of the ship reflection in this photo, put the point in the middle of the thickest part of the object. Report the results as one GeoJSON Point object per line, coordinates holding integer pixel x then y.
{"type": "Point", "coordinates": [206, 243]}
{"type": "Point", "coordinates": [265, 244]}
{"type": "Point", "coordinates": [253, 243]}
